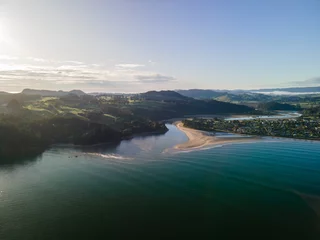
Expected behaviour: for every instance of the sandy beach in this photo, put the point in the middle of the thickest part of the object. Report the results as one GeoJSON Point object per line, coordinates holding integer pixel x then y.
{"type": "Point", "coordinates": [198, 139]}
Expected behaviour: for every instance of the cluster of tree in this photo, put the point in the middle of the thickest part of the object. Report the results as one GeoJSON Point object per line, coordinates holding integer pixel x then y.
{"type": "Point", "coordinates": [314, 112]}
{"type": "Point", "coordinates": [166, 96]}
{"type": "Point", "coordinates": [174, 105]}
{"type": "Point", "coordinates": [5, 98]}
{"type": "Point", "coordinates": [22, 137]}
{"type": "Point", "coordinates": [180, 109]}
{"type": "Point", "coordinates": [17, 138]}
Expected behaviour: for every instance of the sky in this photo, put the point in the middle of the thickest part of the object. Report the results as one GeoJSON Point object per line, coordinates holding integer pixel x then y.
{"type": "Point", "coordinates": [141, 45]}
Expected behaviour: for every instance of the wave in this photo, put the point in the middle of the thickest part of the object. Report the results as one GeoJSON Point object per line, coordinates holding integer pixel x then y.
{"type": "Point", "coordinates": [110, 156]}
{"type": "Point", "coordinates": [211, 146]}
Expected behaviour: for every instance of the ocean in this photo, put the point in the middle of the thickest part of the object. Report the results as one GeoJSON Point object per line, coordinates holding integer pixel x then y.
{"type": "Point", "coordinates": [269, 189]}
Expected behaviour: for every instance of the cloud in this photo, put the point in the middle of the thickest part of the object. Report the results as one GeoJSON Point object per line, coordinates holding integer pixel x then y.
{"type": "Point", "coordinates": [154, 78]}
{"type": "Point", "coordinates": [308, 83]}
{"type": "Point", "coordinates": [48, 74]}
{"type": "Point", "coordinates": [54, 61]}
{"type": "Point", "coordinates": [6, 57]}
{"type": "Point", "coordinates": [36, 59]}
{"type": "Point", "coordinates": [129, 65]}
{"type": "Point", "coordinates": [74, 62]}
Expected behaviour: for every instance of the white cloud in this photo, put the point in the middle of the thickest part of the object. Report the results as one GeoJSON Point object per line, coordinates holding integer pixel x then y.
{"type": "Point", "coordinates": [48, 74]}
{"type": "Point", "coordinates": [6, 57]}
{"type": "Point", "coordinates": [36, 59]}
{"type": "Point", "coordinates": [154, 78]}
{"type": "Point", "coordinates": [129, 65]}
{"type": "Point", "coordinates": [74, 62]}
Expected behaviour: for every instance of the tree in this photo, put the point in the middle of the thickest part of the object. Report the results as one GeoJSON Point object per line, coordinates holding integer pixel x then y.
{"type": "Point", "coordinates": [14, 105]}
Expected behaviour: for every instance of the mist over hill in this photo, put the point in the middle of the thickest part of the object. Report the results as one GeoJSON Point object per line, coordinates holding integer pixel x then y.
{"type": "Point", "coordinates": [289, 90]}
{"type": "Point", "coordinates": [214, 93]}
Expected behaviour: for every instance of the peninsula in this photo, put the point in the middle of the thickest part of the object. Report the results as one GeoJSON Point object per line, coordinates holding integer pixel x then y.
{"type": "Point", "coordinates": [305, 127]}
{"type": "Point", "coordinates": [199, 139]}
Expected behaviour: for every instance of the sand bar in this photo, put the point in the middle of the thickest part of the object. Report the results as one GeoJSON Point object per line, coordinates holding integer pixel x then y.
{"type": "Point", "coordinates": [198, 139]}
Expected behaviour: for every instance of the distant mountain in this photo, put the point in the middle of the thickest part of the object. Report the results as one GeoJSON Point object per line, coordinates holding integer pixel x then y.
{"type": "Point", "coordinates": [245, 95]}
{"type": "Point", "coordinates": [170, 104]}
{"type": "Point", "coordinates": [49, 93]}
{"type": "Point", "coordinates": [163, 96]}
{"type": "Point", "coordinates": [227, 96]}
{"type": "Point", "coordinates": [201, 93]}
{"type": "Point", "coordinates": [78, 92]}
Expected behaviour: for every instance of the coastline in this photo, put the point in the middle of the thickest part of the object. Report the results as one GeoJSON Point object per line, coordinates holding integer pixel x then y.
{"type": "Point", "coordinates": [209, 116]}
{"type": "Point", "coordinates": [199, 139]}
{"type": "Point", "coordinates": [275, 116]}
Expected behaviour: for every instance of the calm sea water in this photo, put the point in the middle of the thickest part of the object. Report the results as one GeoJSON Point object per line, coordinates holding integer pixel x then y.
{"type": "Point", "coordinates": [263, 190]}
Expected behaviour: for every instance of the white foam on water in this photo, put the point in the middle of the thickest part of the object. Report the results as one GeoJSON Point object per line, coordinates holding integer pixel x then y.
{"type": "Point", "coordinates": [175, 151]}
{"type": "Point", "coordinates": [110, 156]}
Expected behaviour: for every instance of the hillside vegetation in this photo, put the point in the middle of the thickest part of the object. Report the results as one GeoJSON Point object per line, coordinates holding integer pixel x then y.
{"type": "Point", "coordinates": [108, 109]}
{"type": "Point", "coordinates": [33, 122]}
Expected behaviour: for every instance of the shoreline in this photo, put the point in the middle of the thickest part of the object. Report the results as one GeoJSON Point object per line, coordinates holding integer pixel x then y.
{"type": "Point", "coordinates": [199, 139]}
{"type": "Point", "coordinates": [275, 116]}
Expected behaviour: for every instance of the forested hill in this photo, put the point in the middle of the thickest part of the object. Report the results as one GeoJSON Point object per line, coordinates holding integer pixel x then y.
{"type": "Point", "coordinates": [34, 122]}
{"type": "Point", "coordinates": [226, 96]}
{"type": "Point", "coordinates": [48, 93]}
{"type": "Point", "coordinates": [169, 104]}
{"type": "Point", "coordinates": [163, 96]}
{"type": "Point", "coordinates": [153, 105]}
{"type": "Point", "coordinates": [201, 93]}
{"type": "Point", "coordinates": [5, 97]}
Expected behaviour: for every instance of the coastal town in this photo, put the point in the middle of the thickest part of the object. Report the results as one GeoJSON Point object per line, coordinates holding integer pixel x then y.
{"type": "Point", "coordinates": [300, 128]}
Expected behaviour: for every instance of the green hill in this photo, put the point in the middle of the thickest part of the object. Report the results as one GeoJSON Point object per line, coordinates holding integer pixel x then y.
{"type": "Point", "coordinates": [87, 119]}
{"type": "Point", "coordinates": [169, 104]}
{"type": "Point", "coordinates": [201, 93]}
{"type": "Point", "coordinates": [48, 93]}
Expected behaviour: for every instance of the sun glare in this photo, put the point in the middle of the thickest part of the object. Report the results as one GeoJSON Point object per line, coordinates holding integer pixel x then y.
{"type": "Point", "coordinates": [5, 39]}
{"type": "Point", "coordinates": [2, 33]}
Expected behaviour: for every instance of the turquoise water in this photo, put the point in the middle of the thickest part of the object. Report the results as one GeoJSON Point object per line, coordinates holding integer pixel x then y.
{"type": "Point", "coordinates": [265, 189]}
